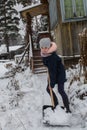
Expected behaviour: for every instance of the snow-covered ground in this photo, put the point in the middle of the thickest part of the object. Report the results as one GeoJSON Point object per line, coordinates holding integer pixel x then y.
{"type": "Point", "coordinates": [23, 95]}
{"type": "Point", "coordinates": [11, 48]}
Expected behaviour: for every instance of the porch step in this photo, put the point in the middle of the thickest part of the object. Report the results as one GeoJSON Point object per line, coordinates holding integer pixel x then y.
{"type": "Point", "coordinates": [40, 70]}
{"type": "Point", "coordinates": [38, 66]}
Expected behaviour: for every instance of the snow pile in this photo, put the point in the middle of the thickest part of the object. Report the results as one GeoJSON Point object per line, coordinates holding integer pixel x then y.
{"type": "Point", "coordinates": [20, 104]}
{"type": "Point", "coordinates": [78, 99]}
{"type": "Point", "coordinates": [3, 70]}
{"type": "Point", "coordinates": [77, 93]}
{"type": "Point", "coordinates": [56, 117]}
{"type": "Point", "coordinates": [5, 67]}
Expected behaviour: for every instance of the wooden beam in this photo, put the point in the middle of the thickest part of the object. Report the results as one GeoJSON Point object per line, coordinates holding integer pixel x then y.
{"type": "Point", "coordinates": [36, 10]}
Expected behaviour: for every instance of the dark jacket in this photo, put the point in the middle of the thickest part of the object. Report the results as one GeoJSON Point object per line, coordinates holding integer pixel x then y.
{"type": "Point", "coordinates": [56, 69]}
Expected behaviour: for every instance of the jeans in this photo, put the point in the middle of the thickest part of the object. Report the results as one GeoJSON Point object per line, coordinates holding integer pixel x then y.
{"type": "Point", "coordinates": [62, 93]}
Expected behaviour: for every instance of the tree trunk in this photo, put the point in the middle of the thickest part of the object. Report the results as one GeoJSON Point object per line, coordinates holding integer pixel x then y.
{"type": "Point", "coordinates": [7, 42]}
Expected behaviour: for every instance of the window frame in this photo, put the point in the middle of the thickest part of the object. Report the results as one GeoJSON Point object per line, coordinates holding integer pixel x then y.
{"type": "Point", "coordinates": [78, 18]}
{"type": "Point", "coordinates": [53, 12]}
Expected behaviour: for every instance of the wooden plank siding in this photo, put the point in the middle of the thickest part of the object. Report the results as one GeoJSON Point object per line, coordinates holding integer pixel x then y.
{"type": "Point", "coordinates": [70, 41]}
{"type": "Point", "coordinates": [66, 30]}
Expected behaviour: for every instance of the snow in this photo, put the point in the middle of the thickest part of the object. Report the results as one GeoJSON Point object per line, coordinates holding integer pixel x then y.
{"type": "Point", "coordinates": [23, 95]}
{"type": "Point", "coordinates": [2, 69]}
{"type": "Point", "coordinates": [18, 7]}
{"type": "Point", "coordinates": [3, 48]}
{"type": "Point", "coordinates": [12, 48]}
{"type": "Point", "coordinates": [56, 117]}
{"type": "Point", "coordinates": [29, 7]}
{"type": "Point", "coordinates": [22, 27]}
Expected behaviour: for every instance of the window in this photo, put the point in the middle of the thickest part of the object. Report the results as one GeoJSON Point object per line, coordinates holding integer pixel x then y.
{"type": "Point", "coordinates": [73, 8]}
{"type": "Point", "coordinates": [79, 8]}
{"type": "Point", "coordinates": [68, 8]}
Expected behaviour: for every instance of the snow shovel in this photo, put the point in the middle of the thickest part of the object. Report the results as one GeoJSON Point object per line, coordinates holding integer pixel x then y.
{"type": "Point", "coordinates": [52, 99]}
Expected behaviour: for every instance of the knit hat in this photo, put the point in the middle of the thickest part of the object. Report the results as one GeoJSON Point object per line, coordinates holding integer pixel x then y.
{"type": "Point", "coordinates": [45, 42]}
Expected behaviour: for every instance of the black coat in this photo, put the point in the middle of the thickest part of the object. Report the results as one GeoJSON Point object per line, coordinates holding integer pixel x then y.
{"type": "Point", "coordinates": [56, 69]}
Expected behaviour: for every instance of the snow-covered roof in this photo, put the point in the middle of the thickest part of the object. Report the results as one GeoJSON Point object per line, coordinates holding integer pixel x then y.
{"type": "Point", "coordinates": [34, 10]}
{"type": "Point", "coordinates": [29, 7]}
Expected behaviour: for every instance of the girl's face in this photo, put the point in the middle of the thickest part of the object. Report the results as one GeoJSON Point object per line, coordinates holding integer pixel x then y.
{"type": "Point", "coordinates": [44, 50]}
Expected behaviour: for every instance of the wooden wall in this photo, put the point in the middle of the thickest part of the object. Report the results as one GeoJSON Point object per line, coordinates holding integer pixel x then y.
{"type": "Point", "coordinates": [67, 37]}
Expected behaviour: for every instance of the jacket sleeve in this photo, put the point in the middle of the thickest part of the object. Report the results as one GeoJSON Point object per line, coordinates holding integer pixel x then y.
{"type": "Point", "coordinates": [52, 65]}
{"type": "Point", "coordinates": [52, 69]}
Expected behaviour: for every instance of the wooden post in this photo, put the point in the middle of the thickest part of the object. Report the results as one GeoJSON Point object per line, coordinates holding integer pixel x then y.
{"type": "Point", "coordinates": [71, 45]}
{"type": "Point", "coordinates": [28, 31]}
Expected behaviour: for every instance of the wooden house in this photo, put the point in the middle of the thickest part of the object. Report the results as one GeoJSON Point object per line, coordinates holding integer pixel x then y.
{"type": "Point", "coordinates": [67, 18]}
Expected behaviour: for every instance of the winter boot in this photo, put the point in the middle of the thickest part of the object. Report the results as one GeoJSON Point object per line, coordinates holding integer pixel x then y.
{"type": "Point", "coordinates": [68, 111]}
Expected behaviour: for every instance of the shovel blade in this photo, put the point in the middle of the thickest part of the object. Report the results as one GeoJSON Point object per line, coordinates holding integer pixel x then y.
{"type": "Point", "coordinates": [45, 107]}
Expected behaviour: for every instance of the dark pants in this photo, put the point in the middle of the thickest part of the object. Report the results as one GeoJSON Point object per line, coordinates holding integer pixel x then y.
{"type": "Point", "coordinates": [63, 95]}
